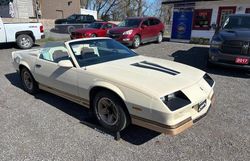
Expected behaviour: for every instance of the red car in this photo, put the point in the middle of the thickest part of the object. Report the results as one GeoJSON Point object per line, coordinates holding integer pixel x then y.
{"type": "Point", "coordinates": [137, 30]}
{"type": "Point", "coordinates": [97, 29]}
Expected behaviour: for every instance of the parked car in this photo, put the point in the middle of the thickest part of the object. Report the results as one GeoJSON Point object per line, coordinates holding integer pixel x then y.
{"type": "Point", "coordinates": [120, 86]}
{"type": "Point", "coordinates": [134, 31]}
{"type": "Point", "coordinates": [24, 34]}
{"type": "Point", "coordinates": [73, 22]}
{"type": "Point", "coordinates": [230, 45]}
{"type": "Point", "coordinates": [97, 29]}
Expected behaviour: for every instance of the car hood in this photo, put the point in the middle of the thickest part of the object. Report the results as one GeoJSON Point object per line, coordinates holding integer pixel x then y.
{"type": "Point", "coordinates": [86, 30]}
{"type": "Point", "coordinates": [118, 30]}
{"type": "Point", "coordinates": [148, 75]}
{"type": "Point", "coordinates": [243, 35]}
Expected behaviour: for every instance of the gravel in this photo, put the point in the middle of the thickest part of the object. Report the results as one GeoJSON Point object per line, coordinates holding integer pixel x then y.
{"type": "Point", "coordinates": [47, 127]}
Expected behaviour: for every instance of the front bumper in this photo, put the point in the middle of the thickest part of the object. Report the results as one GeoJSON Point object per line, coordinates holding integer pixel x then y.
{"type": "Point", "coordinates": [124, 39]}
{"type": "Point", "coordinates": [171, 129]}
{"type": "Point", "coordinates": [228, 60]}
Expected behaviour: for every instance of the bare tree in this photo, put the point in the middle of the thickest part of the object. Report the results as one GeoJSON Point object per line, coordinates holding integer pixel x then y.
{"type": "Point", "coordinates": [120, 9]}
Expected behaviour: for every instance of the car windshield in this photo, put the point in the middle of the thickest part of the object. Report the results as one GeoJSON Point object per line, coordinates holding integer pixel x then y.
{"type": "Point", "coordinates": [130, 23]}
{"type": "Point", "coordinates": [90, 52]}
{"type": "Point", "coordinates": [95, 25]}
{"type": "Point", "coordinates": [237, 22]}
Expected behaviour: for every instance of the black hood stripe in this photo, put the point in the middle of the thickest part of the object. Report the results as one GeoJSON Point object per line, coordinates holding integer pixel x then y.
{"type": "Point", "coordinates": [154, 68]}
{"type": "Point", "coordinates": [159, 66]}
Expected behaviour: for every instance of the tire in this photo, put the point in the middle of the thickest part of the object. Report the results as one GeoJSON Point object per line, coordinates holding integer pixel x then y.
{"type": "Point", "coordinates": [24, 41]}
{"type": "Point", "coordinates": [159, 37]}
{"type": "Point", "coordinates": [71, 29]}
{"type": "Point", "coordinates": [110, 111]}
{"type": "Point", "coordinates": [136, 42]}
{"type": "Point", "coordinates": [93, 35]}
{"type": "Point", "coordinates": [29, 83]}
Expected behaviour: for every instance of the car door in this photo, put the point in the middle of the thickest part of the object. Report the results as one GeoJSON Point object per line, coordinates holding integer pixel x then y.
{"type": "Point", "coordinates": [145, 30]}
{"type": "Point", "coordinates": [50, 74]}
{"type": "Point", "coordinates": [153, 28]}
{"type": "Point", "coordinates": [2, 32]}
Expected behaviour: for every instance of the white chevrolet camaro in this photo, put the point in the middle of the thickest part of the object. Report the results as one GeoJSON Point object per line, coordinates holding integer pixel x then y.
{"type": "Point", "coordinates": [120, 86]}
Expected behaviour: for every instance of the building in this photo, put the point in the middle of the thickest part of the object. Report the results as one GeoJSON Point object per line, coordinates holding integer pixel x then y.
{"type": "Point", "coordinates": [21, 8]}
{"type": "Point", "coordinates": [47, 9]}
{"type": "Point", "coordinates": [198, 18]}
{"type": "Point", "coordinates": [53, 9]}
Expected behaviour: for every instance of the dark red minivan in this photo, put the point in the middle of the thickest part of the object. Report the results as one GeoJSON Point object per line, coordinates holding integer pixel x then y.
{"type": "Point", "coordinates": [136, 30]}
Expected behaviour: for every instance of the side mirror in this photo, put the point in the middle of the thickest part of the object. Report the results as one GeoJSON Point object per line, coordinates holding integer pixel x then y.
{"type": "Point", "coordinates": [65, 64]}
{"type": "Point", "coordinates": [144, 26]}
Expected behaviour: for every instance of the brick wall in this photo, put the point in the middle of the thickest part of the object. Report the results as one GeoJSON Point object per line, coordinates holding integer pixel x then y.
{"type": "Point", "coordinates": [53, 9]}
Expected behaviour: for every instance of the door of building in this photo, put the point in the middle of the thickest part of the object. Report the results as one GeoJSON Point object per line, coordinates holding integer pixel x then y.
{"type": "Point", "coordinates": [223, 13]}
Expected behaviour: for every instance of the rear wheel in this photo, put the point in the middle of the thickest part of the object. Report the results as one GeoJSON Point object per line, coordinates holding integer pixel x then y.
{"type": "Point", "coordinates": [29, 83]}
{"type": "Point", "coordinates": [71, 29]}
{"type": "Point", "coordinates": [24, 41]}
{"type": "Point", "coordinates": [136, 42]}
{"type": "Point", "coordinates": [110, 111]}
{"type": "Point", "coordinates": [159, 37]}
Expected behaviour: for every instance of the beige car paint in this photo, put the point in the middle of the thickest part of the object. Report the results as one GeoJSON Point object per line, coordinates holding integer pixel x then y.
{"type": "Point", "coordinates": [140, 89]}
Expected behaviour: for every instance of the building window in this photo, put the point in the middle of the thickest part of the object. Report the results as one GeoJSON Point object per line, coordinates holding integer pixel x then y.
{"type": "Point", "coordinates": [247, 10]}
{"type": "Point", "coordinates": [223, 14]}
{"type": "Point", "coordinates": [202, 19]}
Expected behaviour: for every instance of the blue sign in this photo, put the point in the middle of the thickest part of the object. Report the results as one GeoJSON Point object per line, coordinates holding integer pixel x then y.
{"type": "Point", "coordinates": [182, 25]}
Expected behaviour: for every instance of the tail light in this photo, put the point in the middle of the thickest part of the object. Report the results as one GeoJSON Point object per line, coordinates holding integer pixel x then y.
{"type": "Point", "coordinates": [41, 29]}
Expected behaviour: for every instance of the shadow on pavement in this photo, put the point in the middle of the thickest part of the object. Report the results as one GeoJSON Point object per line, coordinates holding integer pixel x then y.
{"type": "Point", "coordinates": [7, 46]}
{"type": "Point", "coordinates": [13, 45]}
{"type": "Point", "coordinates": [197, 57]}
{"type": "Point", "coordinates": [133, 134]}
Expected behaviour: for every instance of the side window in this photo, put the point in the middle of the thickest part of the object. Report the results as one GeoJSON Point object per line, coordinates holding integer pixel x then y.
{"type": "Point", "coordinates": [110, 25]}
{"type": "Point", "coordinates": [54, 54]}
{"type": "Point", "coordinates": [78, 18]}
{"type": "Point", "coordinates": [90, 18]}
{"type": "Point", "coordinates": [151, 22]}
{"type": "Point", "coordinates": [156, 21]}
{"type": "Point", "coordinates": [146, 22]}
{"type": "Point", "coordinates": [107, 26]}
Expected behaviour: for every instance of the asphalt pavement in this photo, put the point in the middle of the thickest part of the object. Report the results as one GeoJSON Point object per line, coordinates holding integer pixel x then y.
{"type": "Point", "coordinates": [47, 127]}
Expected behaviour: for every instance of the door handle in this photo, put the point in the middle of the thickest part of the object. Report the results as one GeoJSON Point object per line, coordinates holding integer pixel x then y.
{"type": "Point", "coordinates": [38, 66]}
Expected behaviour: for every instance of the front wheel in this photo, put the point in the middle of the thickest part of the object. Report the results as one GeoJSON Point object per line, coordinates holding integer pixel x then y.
{"type": "Point", "coordinates": [29, 83]}
{"type": "Point", "coordinates": [24, 41]}
{"type": "Point", "coordinates": [136, 42]}
{"type": "Point", "coordinates": [110, 112]}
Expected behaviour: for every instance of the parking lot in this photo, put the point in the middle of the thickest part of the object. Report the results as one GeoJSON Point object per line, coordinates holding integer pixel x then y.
{"type": "Point", "coordinates": [47, 127]}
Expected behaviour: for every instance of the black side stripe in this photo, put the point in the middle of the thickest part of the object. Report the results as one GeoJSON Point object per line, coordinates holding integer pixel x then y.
{"type": "Point", "coordinates": [159, 66]}
{"type": "Point", "coordinates": [153, 68]}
